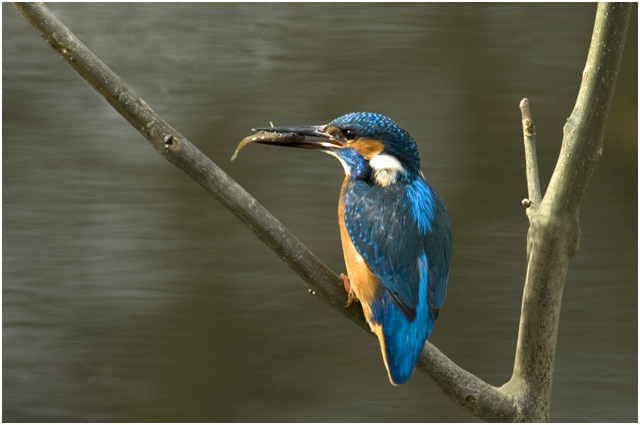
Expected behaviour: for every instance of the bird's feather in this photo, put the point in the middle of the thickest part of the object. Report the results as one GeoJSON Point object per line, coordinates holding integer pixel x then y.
{"type": "Point", "coordinates": [408, 249]}
{"type": "Point", "coordinates": [391, 240]}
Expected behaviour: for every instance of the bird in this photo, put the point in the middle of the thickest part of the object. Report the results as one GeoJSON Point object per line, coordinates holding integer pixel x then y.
{"type": "Point", "coordinates": [395, 230]}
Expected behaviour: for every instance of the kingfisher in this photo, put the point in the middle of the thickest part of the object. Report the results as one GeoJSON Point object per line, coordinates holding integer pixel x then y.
{"type": "Point", "coordinates": [395, 230]}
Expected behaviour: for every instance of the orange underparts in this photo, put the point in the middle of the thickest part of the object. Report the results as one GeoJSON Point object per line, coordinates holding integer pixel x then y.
{"type": "Point", "coordinates": [364, 285]}
{"type": "Point", "coordinates": [361, 283]}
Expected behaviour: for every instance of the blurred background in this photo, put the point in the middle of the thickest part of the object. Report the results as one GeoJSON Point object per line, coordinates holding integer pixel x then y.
{"type": "Point", "coordinates": [129, 294]}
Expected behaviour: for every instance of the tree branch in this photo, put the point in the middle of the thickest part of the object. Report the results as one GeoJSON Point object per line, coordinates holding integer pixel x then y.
{"type": "Point", "coordinates": [174, 147]}
{"type": "Point", "coordinates": [179, 151]}
{"type": "Point", "coordinates": [553, 234]}
{"type": "Point", "coordinates": [554, 231]}
{"type": "Point", "coordinates": [584, 130]}
{"type": "Point", "coordinates": [532, 203]}
{"type": "Point", "coordinates": [466, 390]}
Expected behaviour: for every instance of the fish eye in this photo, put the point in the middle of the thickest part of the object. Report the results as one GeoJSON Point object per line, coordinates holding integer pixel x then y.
{"type": "Point", "coordinates": [349, 134]}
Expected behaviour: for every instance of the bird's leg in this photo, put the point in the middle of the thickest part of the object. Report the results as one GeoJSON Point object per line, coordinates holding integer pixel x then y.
{"type": "Point", "coordinates": [347, 287]}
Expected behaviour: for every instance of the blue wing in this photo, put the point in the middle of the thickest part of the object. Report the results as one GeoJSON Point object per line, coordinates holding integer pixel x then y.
{"type": "Point", "coordinates": [392, 240]}
{"type": "Point", "coordinates": [434, 225]}
{"type": "Point", "coordinates": [403, 232]}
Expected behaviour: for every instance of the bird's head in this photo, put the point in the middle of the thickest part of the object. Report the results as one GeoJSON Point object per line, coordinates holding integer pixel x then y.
{"type": "Point", "coordinates": [370, 146]}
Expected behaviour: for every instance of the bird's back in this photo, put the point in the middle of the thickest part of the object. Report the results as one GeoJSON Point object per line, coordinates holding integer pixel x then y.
{"type": "Point", "coordinates": [397, 260]}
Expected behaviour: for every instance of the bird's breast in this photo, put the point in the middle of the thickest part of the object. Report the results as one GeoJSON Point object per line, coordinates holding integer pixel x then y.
{"type": "Point", "coordinates": [364, 283]}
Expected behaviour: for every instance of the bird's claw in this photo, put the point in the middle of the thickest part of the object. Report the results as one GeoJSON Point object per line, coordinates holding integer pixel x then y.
{"type": "Point", "coordinates": [347, 287]}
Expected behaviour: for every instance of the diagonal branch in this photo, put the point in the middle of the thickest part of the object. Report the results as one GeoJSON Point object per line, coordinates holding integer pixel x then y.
{"type": "Point", "coordinates": [174, 147]}
{"type": "Point", "coordinates": [584, 131]}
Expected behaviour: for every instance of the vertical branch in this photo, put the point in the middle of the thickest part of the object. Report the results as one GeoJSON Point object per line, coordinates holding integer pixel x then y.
{"type": "Point", "coordinates": [554, 232]}
{"type": "Point", "coordinates": [584, 130]}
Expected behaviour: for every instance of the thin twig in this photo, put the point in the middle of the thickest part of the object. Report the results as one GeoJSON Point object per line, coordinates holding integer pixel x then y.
{"type": "Point", "coordinates": [533, 182]}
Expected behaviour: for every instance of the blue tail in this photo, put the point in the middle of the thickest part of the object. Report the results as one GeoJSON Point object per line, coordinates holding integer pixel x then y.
{"type": "Point", "coordinates": [401, 340]}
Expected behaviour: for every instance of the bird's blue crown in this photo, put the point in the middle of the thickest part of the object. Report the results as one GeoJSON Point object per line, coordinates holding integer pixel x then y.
{"type": "Point", "coordinates": [396, 140]}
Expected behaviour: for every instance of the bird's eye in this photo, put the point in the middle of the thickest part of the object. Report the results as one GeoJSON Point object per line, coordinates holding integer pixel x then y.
{"type": "Point", "coordinates": [349, 134]}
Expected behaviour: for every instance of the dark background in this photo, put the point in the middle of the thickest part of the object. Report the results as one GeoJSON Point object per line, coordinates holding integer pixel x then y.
{"type": "Point", "coordinates": [129, 294]}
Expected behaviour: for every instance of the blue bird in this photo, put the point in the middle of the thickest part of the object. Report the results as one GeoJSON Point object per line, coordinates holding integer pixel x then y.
{"type": "Point", "coordinates": [395, 230]}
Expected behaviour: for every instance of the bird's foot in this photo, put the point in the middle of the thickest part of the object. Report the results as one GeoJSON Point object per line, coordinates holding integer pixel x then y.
{"type": "Point", "coordinates": [347, 287]}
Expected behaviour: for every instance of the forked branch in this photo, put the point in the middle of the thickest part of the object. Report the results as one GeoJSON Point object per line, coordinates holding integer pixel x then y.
{"type": "Point", "coordinates": [554, 231]}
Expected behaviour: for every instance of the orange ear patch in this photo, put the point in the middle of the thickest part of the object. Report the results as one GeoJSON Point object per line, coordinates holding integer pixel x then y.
{"type": "Point", "coordinates": [367, 148]}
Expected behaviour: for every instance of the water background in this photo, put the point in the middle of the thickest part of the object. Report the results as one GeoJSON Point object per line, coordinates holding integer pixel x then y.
{"type": "Point", "coordinates": [129, 294]}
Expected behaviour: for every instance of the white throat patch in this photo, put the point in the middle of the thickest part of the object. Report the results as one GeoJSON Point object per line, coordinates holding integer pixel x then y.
{"type": "Point", "coordinates": [386, 169]}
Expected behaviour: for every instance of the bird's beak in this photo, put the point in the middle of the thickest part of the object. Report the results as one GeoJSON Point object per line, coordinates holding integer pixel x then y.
{"type": "Point", "coordinates": [324, 140]}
